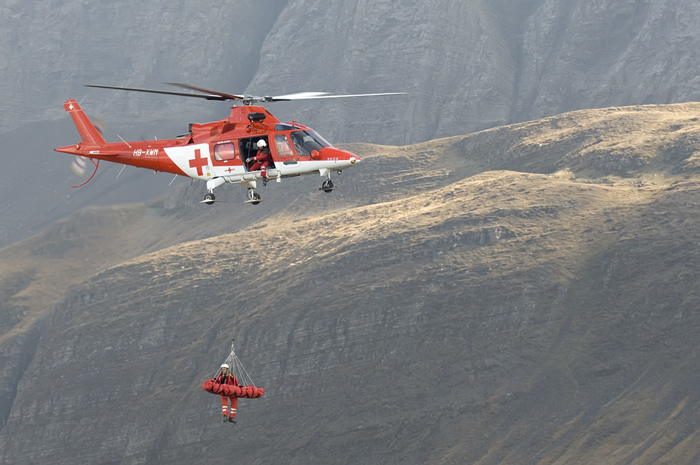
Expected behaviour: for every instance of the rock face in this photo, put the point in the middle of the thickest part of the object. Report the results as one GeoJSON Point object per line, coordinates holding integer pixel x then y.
{"type": "Point", "coordinates": [536, 305]}
{"type": "Point", "coordinates": [468, 65]}
{"type": "Point", "coordinates": [606, 53]}
{"type": "Point", "coordinates": [51, 51]}
{"type": "Point", "coordinates": [476, 64]}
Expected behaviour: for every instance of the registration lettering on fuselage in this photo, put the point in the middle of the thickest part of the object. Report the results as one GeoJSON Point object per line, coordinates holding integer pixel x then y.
{"type": "Point", "coordinates": [145, 152]}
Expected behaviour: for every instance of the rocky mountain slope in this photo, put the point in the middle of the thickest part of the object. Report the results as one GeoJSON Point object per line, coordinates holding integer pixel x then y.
{"type": "Point", "coordinates": [468, 65]}
{"type": "Point", "coordinates": [526, 294]}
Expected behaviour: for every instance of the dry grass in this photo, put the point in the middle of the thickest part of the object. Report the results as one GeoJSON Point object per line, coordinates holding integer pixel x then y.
{"type": "Point", "coordinates": [99, 238]}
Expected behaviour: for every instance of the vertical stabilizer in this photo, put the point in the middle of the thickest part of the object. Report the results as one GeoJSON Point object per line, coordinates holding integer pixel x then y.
{"type": "Point", "coordinates": [90, 134]}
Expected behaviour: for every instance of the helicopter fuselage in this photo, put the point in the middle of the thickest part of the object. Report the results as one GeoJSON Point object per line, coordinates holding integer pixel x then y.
{"type": "Point", "coordinates": [220, 152]}
{"type": "Point", "coordinates": [220, 149]}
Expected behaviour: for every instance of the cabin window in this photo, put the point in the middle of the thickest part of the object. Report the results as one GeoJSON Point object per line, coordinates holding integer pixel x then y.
{"type": "Point", "coordinates": [224, 151]}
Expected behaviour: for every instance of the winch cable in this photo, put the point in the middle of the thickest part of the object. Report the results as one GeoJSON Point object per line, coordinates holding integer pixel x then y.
{"type": "Point", "coordinates": [237, 368]}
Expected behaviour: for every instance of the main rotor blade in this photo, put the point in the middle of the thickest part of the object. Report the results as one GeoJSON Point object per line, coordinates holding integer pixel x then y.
{"type": "Point", "coordinates": [317, 95]}
{"type": "Point", "coordinates": [215, 96]}
{"type": "Point", "coordinates": [208, 94]}
{"type": "Point", "coordinates": [223, 95]}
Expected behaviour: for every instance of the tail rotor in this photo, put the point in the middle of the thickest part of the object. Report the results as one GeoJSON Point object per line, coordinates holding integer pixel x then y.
{"type": "Point", "coordinates": [79, 163]}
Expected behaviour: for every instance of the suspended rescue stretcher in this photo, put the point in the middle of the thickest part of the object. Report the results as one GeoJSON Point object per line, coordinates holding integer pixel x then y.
{"type": "Point", "coordinates": [250, 392]}
{"type": "Point", "coordinates": [246, 388]}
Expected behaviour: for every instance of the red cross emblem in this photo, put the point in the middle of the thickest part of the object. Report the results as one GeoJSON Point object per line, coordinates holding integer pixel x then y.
{"type": "Point", "coordinates": [198, 162]}
{"type": "Point", "coordinates": [229, 170]}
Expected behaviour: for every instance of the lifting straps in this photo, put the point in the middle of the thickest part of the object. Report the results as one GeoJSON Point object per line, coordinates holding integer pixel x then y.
{"type": "Point", "coordinates": [236, 368]}
{"type": "Point", "coordinates": [246, 389]}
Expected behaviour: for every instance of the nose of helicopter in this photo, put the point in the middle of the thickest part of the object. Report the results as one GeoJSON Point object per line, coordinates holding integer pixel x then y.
{"type": "Point", "coordinates": [344, 156]}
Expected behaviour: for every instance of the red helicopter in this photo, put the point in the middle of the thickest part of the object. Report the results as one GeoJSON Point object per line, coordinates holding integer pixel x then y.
{"type": "Point", "coordinates": [250, 145]}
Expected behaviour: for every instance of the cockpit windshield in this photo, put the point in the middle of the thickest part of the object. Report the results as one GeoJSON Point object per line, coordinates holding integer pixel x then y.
{"type": "Point", "coordinates": [306, 141]}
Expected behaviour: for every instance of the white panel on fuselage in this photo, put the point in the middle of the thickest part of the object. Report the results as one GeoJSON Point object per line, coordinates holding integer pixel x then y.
{"type": "Point", "coordinates": [309, 166]}
{"type": "Point", "coordinates": [193, 160]}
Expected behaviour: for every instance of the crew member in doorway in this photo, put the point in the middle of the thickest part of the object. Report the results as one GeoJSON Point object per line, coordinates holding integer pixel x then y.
{"type": "Point", "coordinates": [261, 160]}
{"type": "Point", "coordinates": [227, 378]}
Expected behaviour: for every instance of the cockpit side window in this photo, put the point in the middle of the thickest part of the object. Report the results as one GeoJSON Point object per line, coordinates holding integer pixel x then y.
{"type": "Point", "coordinates": [319, 139]}
{"type": "Point", "coordinates": [306, 141]}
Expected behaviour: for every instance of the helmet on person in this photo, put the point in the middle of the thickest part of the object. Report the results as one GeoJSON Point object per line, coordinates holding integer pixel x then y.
{"type": "Point", "coordinates": [225, 365]}
{"type": "Point", "coordinates": [261, 143]}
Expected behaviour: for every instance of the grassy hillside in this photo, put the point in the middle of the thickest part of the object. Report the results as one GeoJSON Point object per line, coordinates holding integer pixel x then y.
{"type": "Point", "coordinates": [526, 294]}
